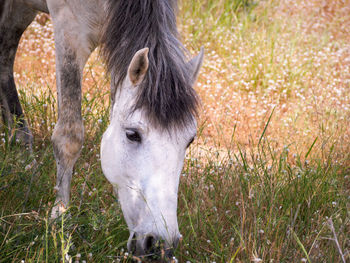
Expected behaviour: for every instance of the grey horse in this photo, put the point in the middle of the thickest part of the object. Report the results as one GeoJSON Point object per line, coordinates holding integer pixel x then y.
{"type": "Point", "coordinates": [154, 104]}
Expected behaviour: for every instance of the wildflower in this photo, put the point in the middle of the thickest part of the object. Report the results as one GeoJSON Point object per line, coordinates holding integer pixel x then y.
{"type": "Point", "coordinates": [256, 259]}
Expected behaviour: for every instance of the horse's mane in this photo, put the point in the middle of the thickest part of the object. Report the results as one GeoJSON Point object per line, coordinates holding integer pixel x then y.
{"type": "Point", "coordinates": [166, 92]}
{"type": "Point", "coordinates": [5, 9]}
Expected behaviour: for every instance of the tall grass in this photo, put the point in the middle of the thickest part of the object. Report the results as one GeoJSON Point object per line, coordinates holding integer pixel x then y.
{"type": "Point", "coordinates": [267, 179]}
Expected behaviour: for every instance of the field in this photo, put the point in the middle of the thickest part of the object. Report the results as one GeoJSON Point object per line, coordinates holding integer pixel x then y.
{"type": "Point", "coordinates": [268, 176]}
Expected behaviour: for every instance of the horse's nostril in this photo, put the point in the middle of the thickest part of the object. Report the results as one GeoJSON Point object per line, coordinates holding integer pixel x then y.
{"type": "Point", "coordinates": [154, 247]}
{"type": "Point", "coordinates": [149, 244]}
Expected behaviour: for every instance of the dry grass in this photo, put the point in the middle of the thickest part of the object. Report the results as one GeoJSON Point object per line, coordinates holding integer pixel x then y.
{"type": "Point", "coordinates": [295, 58]}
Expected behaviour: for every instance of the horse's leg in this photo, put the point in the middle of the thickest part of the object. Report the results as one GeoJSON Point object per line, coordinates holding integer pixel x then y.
{"type": "Point", "coordinates": [72, 51]}
{"type": "Point", "coordinates": [11, 29]}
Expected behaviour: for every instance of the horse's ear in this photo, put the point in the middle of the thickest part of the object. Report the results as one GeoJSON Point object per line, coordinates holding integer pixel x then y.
{"type": "Point", "coordinates": [138, 66]}
{"type": "Point", "coordinates": [195, 65]}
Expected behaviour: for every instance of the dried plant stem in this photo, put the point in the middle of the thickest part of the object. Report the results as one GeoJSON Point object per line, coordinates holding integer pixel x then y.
{"type": "Point", "coordinates": [330, 223]}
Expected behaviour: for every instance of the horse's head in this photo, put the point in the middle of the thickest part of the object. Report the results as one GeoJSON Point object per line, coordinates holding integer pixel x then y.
{"type": "Point", "coordinates": [143, 161]}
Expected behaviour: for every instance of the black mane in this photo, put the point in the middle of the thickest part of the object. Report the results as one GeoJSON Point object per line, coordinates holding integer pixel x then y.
{"type": "Point", "coordinates": [166, 92]}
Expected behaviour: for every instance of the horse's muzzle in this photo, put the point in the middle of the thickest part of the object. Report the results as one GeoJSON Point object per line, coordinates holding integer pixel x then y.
{"type": "Point", "coordinates": [152, 247]}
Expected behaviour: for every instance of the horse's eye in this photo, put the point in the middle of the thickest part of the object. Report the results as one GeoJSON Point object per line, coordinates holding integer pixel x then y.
{"type": "Point", "coordinates": [191, 141]}
{"type": "Point", "coordinates": [133, 135]}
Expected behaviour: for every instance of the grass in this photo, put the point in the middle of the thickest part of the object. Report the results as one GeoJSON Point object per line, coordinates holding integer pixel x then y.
{"type": "Point", "coordinates": [267, 179]}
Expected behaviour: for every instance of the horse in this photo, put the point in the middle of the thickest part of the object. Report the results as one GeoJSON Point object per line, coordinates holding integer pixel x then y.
{"type": "Point", "coordinates": [153, 103]}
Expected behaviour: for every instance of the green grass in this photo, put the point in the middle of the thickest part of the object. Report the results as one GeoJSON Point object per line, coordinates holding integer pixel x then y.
{"type": "Point", "coordinates": [238, 202]}
{"type": "Point", "coordinates": [262, 202]}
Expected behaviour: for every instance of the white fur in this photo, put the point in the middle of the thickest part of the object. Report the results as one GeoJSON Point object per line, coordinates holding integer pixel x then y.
{"type": "Point", "coordinates": [145, 175]}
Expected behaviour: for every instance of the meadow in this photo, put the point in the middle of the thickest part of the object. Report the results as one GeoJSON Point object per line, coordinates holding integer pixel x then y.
{"type": "Point", "coordinates": [268, 176]}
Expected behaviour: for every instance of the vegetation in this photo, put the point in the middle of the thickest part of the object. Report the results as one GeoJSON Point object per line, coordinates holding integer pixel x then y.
{"type": "Point", "coordinates": [267, 179]}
